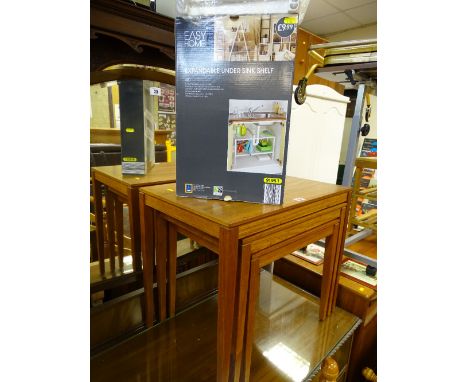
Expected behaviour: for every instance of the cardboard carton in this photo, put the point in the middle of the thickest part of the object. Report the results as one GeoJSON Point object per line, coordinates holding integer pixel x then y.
{"type": "Point", "coordinates": [234, 85]}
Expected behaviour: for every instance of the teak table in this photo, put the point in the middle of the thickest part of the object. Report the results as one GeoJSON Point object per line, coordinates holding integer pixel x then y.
{"type": "Point", "coordinates": [122, 189]}
{"type": "Point", "coordinates": [246, 237]}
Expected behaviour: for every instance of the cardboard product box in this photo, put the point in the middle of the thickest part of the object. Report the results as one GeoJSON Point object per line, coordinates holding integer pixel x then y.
{"type": "Point", "coordinates": [136, 126]}
{"type": "Point", "coordinates": [234, 86]}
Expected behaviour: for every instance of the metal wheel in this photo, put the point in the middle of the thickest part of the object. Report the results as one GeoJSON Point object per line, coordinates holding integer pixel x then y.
{"type": "Point", "coordinates": [300, 92]}
{"type": "Point", "coordinates": [365, 129]}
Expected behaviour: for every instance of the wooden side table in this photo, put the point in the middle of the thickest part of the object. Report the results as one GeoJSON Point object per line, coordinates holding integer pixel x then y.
{"type": "Point", "coordinates": [353, 296]}
{"type": "Point", "coordinates": [246, 237]}
{"type": "Point", "coordinates": [122, 189]}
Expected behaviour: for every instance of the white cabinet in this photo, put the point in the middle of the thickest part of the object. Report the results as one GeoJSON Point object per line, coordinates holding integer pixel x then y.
{"type": "Point", "coordinates": [316, 133]}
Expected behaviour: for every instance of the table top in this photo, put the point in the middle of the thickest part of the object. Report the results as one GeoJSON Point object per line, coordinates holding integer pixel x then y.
{"type": "Point", "coordinates": [298, 193]}
{"type": "Point", "coordinates": [161, 172]}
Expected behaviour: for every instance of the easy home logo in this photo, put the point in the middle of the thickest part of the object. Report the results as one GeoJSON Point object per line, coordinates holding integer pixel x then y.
{"type": "Point", "coordinates": [195, 39]}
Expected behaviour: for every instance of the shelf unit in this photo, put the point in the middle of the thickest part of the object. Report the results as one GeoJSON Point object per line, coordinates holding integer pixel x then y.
{"type": "Point", "coordinates": [250, 138]}
{"type": "Point", "coordinates": [239, 38]}
{"type": "Point", "coordinates": [265, 33]}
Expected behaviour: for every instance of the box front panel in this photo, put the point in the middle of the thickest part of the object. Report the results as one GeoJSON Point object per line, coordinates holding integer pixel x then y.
{"type": "Point", "coordinates": [234, 85]}
{"type": "Point", "coordinates": [132, 126]}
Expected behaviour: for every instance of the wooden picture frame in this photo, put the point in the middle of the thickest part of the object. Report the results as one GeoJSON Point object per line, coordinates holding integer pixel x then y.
{"type": "Point", "coordinates": [361, 278]}
{"type": "Point", "coordinates": [315, 256]}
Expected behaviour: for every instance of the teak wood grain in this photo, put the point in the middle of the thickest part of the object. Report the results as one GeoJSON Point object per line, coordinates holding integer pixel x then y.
{"type": "Point", "coordinates": [246, 236]}
{"type": "Point", "coordinates": [353, 296]}
{"type": "Point", "coordinates": [303, 197]}
{"type": "Point", "coordinates": [184, 348]}
{"type": "Point", "coordinates": [123, 189]}
{"type": "Point", "coordinates": [147, 246]}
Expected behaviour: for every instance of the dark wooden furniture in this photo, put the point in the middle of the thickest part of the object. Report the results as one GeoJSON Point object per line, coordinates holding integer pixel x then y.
{"type": "Point", "coordinates": [123, 189]}
{"type": "Point", "coordinates": [352, 296]}
{"type": "Point", "coordinates": [246, 237]}
{"type": "Point", "coordinates": [289, 342]}
{"type": "Point", "coordinates": [111, 138]}
{"type": "Point", "coordinates": [122, 32]}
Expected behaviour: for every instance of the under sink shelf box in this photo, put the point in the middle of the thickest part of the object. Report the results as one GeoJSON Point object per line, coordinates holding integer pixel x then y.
{"type": "Point", "coordinates": [137, 126]}
{"type": "Point", "coordinates": [234, 70]}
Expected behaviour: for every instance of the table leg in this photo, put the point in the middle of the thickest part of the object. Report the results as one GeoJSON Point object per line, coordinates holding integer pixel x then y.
{"type": "Point", "coordinates": [227, 279]}
{"type": "Point", "coordinates": [97, 193]}
{"type": "Point", "coordinates": [254, 288]}
{"type": "Point", "coordinates": [172, 268]}
{"type": "Point", "coordinates": [356, 187]}
{"type": "Point", "coordinates": [134, 222]}
{"type": "Point", "coordinates": [161, 259]}
{"type": "Point", "coordinates": [241, 310]}
{"type": "Point", "coordinates": [326, 288]}
{"type": "Point", "coordinates": [119, 229]}
{"type": "Point", "coordinates": [147, 242]}
{"type": "Point", "coordinates": [341, 241]}
{"type": "Point", "coordinates": [111, 229]}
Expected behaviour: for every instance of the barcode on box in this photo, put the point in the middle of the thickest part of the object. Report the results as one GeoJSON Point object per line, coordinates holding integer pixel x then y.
{"type": "Point", "coordinates": [272, 193]}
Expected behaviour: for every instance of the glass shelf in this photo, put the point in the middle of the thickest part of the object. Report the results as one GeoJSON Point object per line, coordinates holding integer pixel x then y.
{"type": "Point", "coordinates": [289, 340]}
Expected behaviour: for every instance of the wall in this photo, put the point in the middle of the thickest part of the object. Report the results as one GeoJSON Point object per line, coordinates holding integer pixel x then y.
{"type": "Point", "coordinates": [243, 105]}
{"type": "Point", "coordinates": [115, 105]}
{"type": "Point", "coordinates": [100, 107]}
{"type": "Point", "coordinates": [101, 117]}
{"type": "Point", "coordinates": [166, 7]}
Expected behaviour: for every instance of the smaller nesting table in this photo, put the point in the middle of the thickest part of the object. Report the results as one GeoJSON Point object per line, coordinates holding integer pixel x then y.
{"type": "Point", "coordinates": [123, 189]}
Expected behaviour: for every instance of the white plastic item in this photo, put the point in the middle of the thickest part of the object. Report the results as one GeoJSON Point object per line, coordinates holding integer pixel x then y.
{"type": "Point", "coordinates": [195, 8]}
{"type": "Point", "coordinates": [315, 134]}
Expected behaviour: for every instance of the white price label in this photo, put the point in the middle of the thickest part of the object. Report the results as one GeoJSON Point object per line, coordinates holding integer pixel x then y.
{"type": "Point", "coordinates": [155, 91]}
